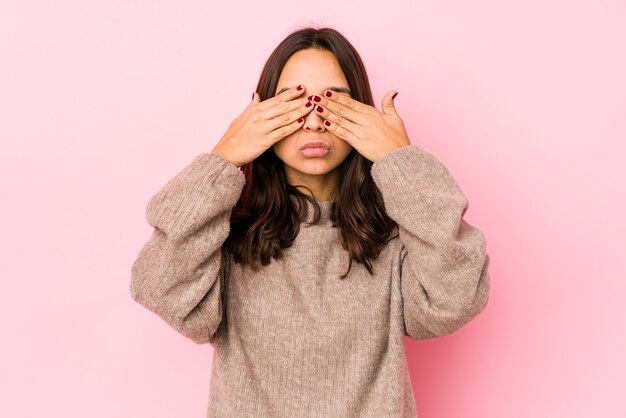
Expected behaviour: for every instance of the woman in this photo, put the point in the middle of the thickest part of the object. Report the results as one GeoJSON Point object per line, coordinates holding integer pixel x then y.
{"type": "Point", "coordinates": [253, 245]}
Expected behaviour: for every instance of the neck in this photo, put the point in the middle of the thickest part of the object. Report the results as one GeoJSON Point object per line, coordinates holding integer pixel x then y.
{"type": "Point", "coordinates": [319, 186]}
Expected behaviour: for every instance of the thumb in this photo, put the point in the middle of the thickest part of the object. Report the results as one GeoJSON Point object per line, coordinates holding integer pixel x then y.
{"type": "Point", "coordinates": [255, 98]}
{"type": "Point", "coordinates": [389, 107]}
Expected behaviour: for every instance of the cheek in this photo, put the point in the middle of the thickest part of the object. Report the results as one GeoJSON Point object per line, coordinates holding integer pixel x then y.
{"type": "Point", "coordinates": [282, 147]}
{"type": "Point", "coordinates": [344, 147]}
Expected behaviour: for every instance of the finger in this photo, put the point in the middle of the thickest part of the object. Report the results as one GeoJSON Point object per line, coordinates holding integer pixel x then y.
{"type": "Point", "coordinates": [347, 101]}
{"type": "Point", "coordinates": [388, 105]}
{"type": "Point", "coordinates": [347, 110]}
{"type": "Point", "coordinates": [337, 120]}
{"type": "Point", "coordinates": [286, 118]}
{"type": "Point", "coordinates": [281, 108]}
{"type": "Point", "coordinates": [285, 96]}
{"type": "Point", "coordinates": [255, 98]}
{"type": "Point", "coordinates": [343, 133]}
{"type": "Point", "coordinates": [285, 130]}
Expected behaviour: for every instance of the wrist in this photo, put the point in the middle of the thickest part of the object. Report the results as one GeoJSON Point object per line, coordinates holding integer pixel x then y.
{"type": "Point", "coordinates": [225, 157]}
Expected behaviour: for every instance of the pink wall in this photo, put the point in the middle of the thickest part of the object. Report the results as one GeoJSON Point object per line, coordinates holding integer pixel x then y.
{"type": "Point", "coordinates": [102, 102]}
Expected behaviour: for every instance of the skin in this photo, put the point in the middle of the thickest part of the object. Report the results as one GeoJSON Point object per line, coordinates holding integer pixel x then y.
{"type": "Point", "coordinates": [316, 70]}
{"type": "Point", "coordinates": [285, 122]}
{"type": "Point", "coordinates": [353, 125]}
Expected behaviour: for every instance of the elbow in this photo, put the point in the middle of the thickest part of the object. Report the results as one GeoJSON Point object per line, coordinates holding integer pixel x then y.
{"type": "Point", "coordinates": [457, 320]}
{"type": "Point", "coordinates": [197, 336]}
{"type": "Point", "coordinates": [140, 289]}
{"type": "Point", "coordinates": [460, 317]}
{"type": "Point", "coordinates": [446, 323]}
{"type": "Point", "coordinates": [193, 308]}
{"type": "Point", "coordinates": [193, 325]}
{"type": "Point", "coordinates": [136, 289]}
{"type": "Point", "coordinates": [199, 332]}
{"type": "Point", "coordinates": [425, 321]}
{"type": "Point", "coordinates": [476, 304]}
{"type": "Point", "coordinates": [198, 325]}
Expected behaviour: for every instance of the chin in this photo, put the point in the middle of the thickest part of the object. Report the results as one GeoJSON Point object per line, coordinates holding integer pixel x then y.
{"type": "Point", "coordinates": [311, 166]}
{"type": "Point", "coordinates": [316, 167]}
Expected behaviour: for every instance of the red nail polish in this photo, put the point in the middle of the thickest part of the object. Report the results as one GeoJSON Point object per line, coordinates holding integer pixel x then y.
{"type": "Point", "coordinates": [252, 96]}
{"type": "Point", "coordinates": [319, 109]}
{"type": "Point", "coordinates": [328, 94]}
{"type": "Point", "coordinates": [299, 87]}
{"type": "Point", "coordinates": [300, 120]}
{"type": "Point", "coordinates": [317, 98]}
{"type": "Point", "coordinates": [327, 122]}
{"type": "Point", "coordinates": [394, 95]}
{"type": "Point", "coordinates": [310, 97]}
{"type": "Point", "coordinates": [308, 104]}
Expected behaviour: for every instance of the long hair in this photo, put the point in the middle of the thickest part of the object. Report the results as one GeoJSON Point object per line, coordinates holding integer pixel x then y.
{"type": "Point", "coordinates": [267, 216]}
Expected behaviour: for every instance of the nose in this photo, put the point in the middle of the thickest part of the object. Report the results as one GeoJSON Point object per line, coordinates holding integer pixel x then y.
{"type": "Point", "coordinates": [314, 122]}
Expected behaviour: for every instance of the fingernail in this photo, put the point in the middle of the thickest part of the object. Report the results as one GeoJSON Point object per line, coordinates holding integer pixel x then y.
{"type": "Point", "coordinates": [327, 122]}
{"type": "Point", "coordinates": [300, 120]}
{"type": "Point", "coordinates": [328, 94]}
{"type": "Point", "coordinates": [394, 95]}
{"type": "Point", "coordinates": [252, 96]}
{"type": "Point", "coordinates": [317, 98]}
{"type": "Point", "coordinates": [299, 87]}
{"type": "Point", "coordinates": [319, 109]}
{"type": "Point", "coordinates": [310, 97]}
{"type": "Point", "coordinates": [308, 104]}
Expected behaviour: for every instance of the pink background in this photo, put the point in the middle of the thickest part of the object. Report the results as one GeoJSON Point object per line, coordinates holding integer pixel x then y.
{"type": "Point", "coordinates": [102, 102]}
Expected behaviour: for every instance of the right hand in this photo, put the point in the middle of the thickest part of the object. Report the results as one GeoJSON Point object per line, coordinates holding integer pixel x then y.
{"type": "Point", "coordinates": [261, 125]}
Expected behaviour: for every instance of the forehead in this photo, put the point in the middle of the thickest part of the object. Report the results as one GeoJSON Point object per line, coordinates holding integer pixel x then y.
{"type": "Point", "coordinates": [316, 69]}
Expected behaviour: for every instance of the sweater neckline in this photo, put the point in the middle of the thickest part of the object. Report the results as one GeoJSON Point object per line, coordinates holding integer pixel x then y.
{"type": "Point", "coordinates": [325, 210]}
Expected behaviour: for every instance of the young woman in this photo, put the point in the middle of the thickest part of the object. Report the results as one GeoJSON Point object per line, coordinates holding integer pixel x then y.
{"type": "Point", "coordinates": [254, 242]}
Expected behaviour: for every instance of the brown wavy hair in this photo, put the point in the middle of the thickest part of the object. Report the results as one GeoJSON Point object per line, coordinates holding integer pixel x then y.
{"type": "Point", "coordinates": [268, 214]}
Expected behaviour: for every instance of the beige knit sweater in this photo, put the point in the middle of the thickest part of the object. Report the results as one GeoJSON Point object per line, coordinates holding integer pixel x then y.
{"type": "Point", "coordinates": [293, 340]}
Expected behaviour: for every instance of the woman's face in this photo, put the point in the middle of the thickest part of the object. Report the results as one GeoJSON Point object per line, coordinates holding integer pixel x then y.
{"type": "Point", "coordinates": [317, 70]}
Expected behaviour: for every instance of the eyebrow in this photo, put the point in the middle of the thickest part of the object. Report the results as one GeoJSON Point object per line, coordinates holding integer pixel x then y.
{"type": "Point", "coordinates": [333, 88]}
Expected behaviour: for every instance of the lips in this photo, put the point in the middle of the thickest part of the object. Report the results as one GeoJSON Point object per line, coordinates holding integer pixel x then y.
{"type": "Point", "coordinates": [315, 144]}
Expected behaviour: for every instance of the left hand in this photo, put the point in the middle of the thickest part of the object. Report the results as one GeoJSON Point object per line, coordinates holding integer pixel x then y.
{"type": "Point", "coordinates": [372, 133]}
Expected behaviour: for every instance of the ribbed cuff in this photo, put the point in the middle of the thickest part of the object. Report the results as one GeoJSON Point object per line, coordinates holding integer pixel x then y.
{"type": "Point", "coordinates": [401, 165]}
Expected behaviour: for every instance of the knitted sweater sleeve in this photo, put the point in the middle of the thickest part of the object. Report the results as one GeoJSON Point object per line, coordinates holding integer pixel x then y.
{"type": "Point", "coordinates": [443, 262]}
{"type": "Point", "coordinates": [178, 274]}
